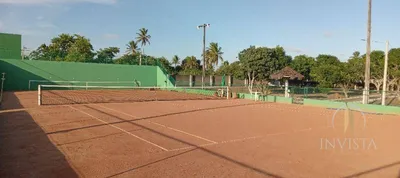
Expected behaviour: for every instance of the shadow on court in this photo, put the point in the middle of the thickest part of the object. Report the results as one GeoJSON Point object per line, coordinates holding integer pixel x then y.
{"type": "Point", "coordinates": [364, 173]}
{"type": "Point", "coordinates": [157, 116]}
{"type": "Point", "coordinates": [239, 163]}
{"type": "Point", "coordinates": [154, 162]}
{"type": "Point", "coordinates": [25, 149]}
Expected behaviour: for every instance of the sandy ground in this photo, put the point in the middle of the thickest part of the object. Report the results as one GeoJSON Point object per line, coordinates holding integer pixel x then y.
{"type": "Point", "coordinates": [193, 138]}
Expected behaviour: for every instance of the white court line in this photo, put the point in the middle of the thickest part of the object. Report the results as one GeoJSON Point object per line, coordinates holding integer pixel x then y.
{"type": "Point", "coordinates": [177, 130]}
{"type": "Point", "coordinates": [244, 139]}
{"type": "Point", "coordinates": [190, 147]}
{"type": "Point", "coordinates": [151, 143]}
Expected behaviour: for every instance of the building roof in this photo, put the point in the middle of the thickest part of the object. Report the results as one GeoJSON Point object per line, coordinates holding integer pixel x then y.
{"type": "Point", "coordinates": [288, 73]}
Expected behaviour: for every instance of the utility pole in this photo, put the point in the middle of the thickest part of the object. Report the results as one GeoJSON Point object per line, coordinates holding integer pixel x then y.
{"type": "Point", "coordinates": [204, 26]}
{"type": "Point", "coordinates": [368, 55]}
{"type": "Point", "coordinates": [24, 49]}
{"type": "Point", "coordinates": [385, 74]}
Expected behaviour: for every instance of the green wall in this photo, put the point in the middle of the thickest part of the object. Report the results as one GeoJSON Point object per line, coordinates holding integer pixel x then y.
{"type": "Point", "coordinates": [377, 109]}
{"type": "Point", "coordinates": [323, 103]}
{"type": "Point", "coordinates": [10, 46]}
{"type": "Point", "coordinates": [19, 72]}
{"type": "Point", "coordinates": [162, 80]}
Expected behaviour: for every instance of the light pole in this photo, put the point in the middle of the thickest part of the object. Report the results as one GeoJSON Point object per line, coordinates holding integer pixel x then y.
{"type": "Point", "coordinates": [24, 49]}
{"type": "Point", "coordinates": [204, 26]}
{"type": "Point", "coordinates": [385, 74]}
{"type": "Point", "coordinates": [368, 56]}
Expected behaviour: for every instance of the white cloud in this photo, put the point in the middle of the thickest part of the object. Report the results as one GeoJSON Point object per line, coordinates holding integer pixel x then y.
{"type": "Point", "coordinates": [328, 34]}
{"type": "Point", "coordinates": [28, 2]}
{"type": "Point", "coordinates": [110, 36]}
{"type": "Point", "coordinates": [295, 50]}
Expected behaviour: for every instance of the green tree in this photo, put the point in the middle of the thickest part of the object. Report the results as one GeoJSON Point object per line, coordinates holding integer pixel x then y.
{"type": "Point", "coordinates": [323, 69]}
{"type": "Point", "coordinates": [191, 66]}
{"type": "Point", "coordinates": [166, 64]}
{"type": "Point", "coordinates": [357, 63]}
{"type": "Point", "coordinates": [213, 55]}
{"type": "Point", "coordinates": [128, 59]}
{"type": "Point", "coordinates": [65, 47]}
{"type": "Point", "coordinates": [234, 69]}
{"type": "Point", "coordinates": [344, 76]}
{"type": "Point", "coordinates": [283, 59]}
{"type": "Point", "coordinates": [303, 64]}
{"type": "Point", "coordinates": [80, 51]}
{"type": "Point", "coordinates": [175, 60]}
{"type": "Point", "coordinates": [394, 69]}
{"type": "Point", "coordinates": [61, 45]}
{"type": "Point", "coordinates": [143, 38]}
{"type": "Point", "coordinates": [224, 69]}
{"type": "Point", "coordinates": [258, 63]}
{"type": "Point", "coordinates": [106, 55]}
{"type": "Point", "coordinates": [132, 48]}
{"type": "Point", "coordinates": [41, 53]}
{"type": "Point", "coordinates": [377, 65]}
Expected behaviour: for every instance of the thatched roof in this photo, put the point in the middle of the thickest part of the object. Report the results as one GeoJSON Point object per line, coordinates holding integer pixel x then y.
{"type": "Point", "coordinates": [287, 72]}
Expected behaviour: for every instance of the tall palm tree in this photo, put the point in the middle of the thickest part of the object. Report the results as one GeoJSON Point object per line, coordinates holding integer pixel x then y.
{"type": "Point", "coordinates": [132, 48]}
{"type": "Point", "coordinates": [175, 60]}
{"type": "Point", "coordinates": [214, 54]}
{"type": "Point", "coordinates": [144, 39]}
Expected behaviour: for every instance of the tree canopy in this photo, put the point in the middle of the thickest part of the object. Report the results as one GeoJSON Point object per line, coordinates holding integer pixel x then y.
{"type": "Point", "coordinates": [254, 63]}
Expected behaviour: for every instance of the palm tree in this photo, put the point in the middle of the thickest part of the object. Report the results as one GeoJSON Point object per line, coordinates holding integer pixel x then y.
{"type": "Point", "coordinates": [190, 63]}
{"type": "Point", "coordinates": [144, 39]}
{"type": "Point", "coordinates": [214, 54]}
{"type": "Point", "coordinates": [132, 48]}
{"type": "Point", "coordinates": [175, 60]}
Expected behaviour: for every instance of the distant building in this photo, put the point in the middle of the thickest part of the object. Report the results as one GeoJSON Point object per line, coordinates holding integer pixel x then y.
{"type": "Point", "coordinates": [10, 46]}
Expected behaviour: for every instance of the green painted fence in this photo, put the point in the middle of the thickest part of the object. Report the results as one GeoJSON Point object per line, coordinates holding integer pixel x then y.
{"type": "Point", "coordinates": [268, 98]}
{"type": "Point", "coordinates": [280, 99]}
{"type": "Point", "coordinates": [323, 103]}
{"type": "Point", "coordinates": [19, 72]}
{"type": "Point", "coordinates": [370, 108]}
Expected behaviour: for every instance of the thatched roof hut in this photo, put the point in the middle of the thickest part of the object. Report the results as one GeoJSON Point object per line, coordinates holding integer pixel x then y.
{"type": "Point", "coordinates": [287, 73]}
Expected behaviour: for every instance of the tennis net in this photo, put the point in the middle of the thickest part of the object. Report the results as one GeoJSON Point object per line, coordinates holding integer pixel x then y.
{"type": "Point", "coordinates": [71, 94]}
{"type": "Point", "coordinates": [33, 84]}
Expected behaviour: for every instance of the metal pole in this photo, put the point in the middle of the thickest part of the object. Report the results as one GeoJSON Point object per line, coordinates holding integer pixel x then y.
{"type": "Point", "coordinates": [368, 55]}
{"type": "Point", "coordinates": [39, 95]}
{"type": "Point", "coordinates": [204, 54]}
{"type": "Point", "coordinates": [2, 86]}
{"type": "Point", "coordinates": [385, 74]}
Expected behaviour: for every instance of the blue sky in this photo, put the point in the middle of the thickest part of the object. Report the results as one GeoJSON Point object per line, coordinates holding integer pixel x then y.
{"type": "Point", "coordinates": [307, 27]}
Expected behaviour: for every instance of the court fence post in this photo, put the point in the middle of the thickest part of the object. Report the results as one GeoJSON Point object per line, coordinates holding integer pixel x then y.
{"type": "Point", "coordinates": [39, 95]}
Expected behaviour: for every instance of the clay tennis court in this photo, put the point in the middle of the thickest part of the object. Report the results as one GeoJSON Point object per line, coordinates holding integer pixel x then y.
{"type": "Point", "coordinates": [191, 138]}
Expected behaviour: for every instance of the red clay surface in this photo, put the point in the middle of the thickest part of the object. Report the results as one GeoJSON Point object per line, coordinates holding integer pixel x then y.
{"type": "Point", "coordinates": [193, 138]}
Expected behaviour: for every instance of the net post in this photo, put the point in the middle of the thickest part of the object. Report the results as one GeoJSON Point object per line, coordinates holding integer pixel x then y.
{"type": "Point", "coordinates": [39, 95]}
